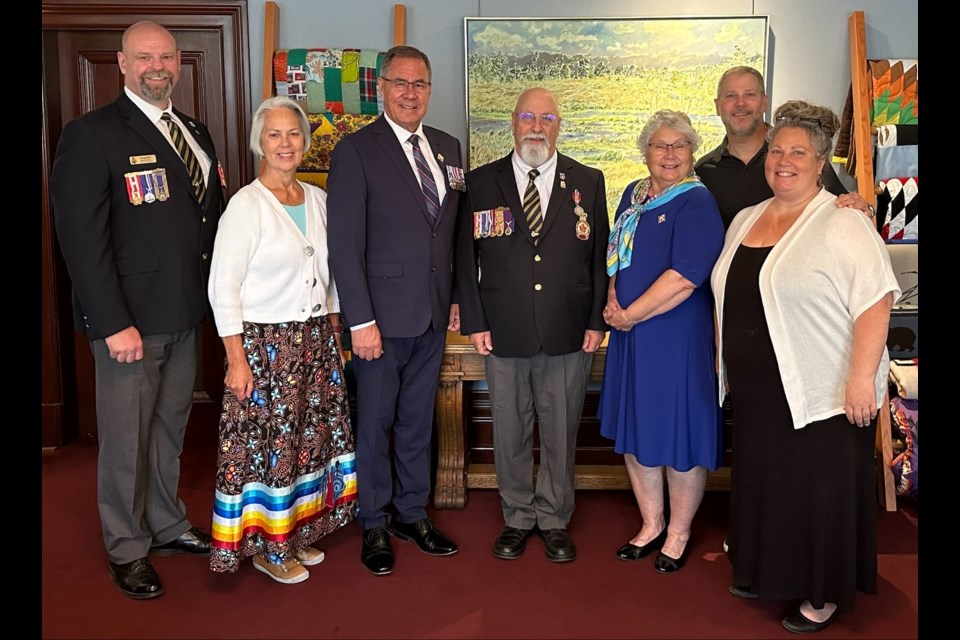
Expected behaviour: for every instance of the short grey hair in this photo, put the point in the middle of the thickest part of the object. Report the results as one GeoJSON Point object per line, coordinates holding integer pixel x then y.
{"type": "Point", "coordinates": [820, 123]}
{"type": "Point", "coordinates": [259, 118]}
{"type": "Point", "coordinates": [675, 120]}
{"type": "Point", "coordinates": [405, 52]}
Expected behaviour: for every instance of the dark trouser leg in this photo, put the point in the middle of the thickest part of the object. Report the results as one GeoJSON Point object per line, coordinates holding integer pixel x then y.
{"type": "Point", "coordinates": [413, 431]}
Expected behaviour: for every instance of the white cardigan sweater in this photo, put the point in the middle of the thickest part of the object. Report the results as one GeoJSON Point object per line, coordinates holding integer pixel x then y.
{"type": "Point", "coordinates": [264, 269]}
{"type": "Point", "coordinates": [828, 268]}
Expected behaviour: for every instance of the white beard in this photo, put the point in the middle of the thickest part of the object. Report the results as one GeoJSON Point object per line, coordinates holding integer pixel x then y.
{"type": "Point", "coordinates": [534, 154]}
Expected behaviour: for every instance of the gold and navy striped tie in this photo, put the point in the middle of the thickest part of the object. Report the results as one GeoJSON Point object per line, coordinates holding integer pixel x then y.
{"type": "Point", "coordinates": [186, 153]}
{"type": "Point", "coordinates": [531, 205]}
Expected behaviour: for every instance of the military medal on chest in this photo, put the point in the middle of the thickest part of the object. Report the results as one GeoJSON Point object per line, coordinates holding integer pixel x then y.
{"type": "Point", "coordinates": [582, 227]}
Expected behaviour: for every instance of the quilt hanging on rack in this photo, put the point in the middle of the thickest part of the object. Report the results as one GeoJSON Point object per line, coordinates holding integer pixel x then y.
{"type": "Point", "coordinates": [898, 151]}
{"type": "Point", "coordinates": [326, 130]}
{"type": "Point", "coordinates": [894, 91]}
{"type": "Point", "coordinates": [338, 81]}
{"type": "Point", "coordinates": [898, 209]}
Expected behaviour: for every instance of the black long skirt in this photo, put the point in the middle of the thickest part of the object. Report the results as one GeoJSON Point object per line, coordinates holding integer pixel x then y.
{"type": "Point", "coordinates": [803, 501]}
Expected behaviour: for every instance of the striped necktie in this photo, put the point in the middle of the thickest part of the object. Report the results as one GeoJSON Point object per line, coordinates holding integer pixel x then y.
{"type": "Point", "coordinates": [427, 183]}
{"type": "Point", "coordinates": [531, 205]}
{"type": "Point", "coordinates": [186, 153]}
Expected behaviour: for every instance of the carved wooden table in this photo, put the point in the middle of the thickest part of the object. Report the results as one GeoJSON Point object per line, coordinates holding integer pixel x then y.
{"type": "Point", "coordinates": [462, 364]}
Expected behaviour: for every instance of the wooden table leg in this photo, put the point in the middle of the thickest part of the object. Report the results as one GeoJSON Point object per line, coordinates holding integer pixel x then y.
{"type": "Point", "coordinates": [451, 489]}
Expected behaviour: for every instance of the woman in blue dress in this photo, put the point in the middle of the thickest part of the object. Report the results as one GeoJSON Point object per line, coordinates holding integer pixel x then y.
{"type": "Point", "coordinates": [658, 401]}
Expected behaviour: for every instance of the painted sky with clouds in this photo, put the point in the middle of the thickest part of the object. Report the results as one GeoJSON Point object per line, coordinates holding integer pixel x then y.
{"type": "Point", "coordinates": [640, 41]}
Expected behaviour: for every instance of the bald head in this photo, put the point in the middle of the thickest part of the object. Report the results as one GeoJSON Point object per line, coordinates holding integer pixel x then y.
{"type": "Point", "coordinates": [536, 124]}
{"type": "Point", "coordinates": [150, 62]}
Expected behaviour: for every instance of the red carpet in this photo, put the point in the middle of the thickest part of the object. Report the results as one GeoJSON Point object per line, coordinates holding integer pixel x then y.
{"type": "Point", "coordinates": [469, 595]}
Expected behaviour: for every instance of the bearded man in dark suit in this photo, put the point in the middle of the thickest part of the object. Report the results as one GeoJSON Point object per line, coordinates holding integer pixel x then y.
{"type": "Point", "coordinates": [394, 188]}
{"type": "Point", "coordinates": [531, 276]}
{"type": "Point", "coordinates": [137, 194]}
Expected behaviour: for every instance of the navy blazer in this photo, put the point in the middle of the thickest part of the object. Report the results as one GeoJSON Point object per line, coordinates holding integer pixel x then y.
{"type": "Point", "coordinates": [533, 296]}
{"type": "Point", "coordinates": [392, 261]}
{"type": "Point", "coordinates": [140, 265]}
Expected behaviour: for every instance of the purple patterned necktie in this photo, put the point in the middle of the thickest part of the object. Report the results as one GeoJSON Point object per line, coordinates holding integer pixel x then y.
{"type": "Point", "coordinates": [427, 183]}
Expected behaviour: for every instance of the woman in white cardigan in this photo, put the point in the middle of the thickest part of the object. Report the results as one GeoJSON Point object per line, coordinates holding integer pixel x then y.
{"type": "Point", "coordinates": [803, 296]}
{"type": "Point", "coordinates": [285, 468]}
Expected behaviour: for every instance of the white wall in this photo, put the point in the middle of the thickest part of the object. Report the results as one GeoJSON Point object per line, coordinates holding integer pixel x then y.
{"type": "Point", "coordinates": [809, 48]}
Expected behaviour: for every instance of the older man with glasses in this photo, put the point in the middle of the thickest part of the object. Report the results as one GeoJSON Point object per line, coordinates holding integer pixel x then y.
{"type": "Point", "coordinates": [531, 246]}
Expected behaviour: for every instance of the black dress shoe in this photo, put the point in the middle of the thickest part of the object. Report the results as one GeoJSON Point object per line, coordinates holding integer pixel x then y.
{"type": "Point", "coordinates": [632, 551]}
{"type": "Point", "coordinates": [742, 592]}
{"type": "Point", "coordinates": [557, 545]}
{"type": "Point", "coordinates": [511, 542]}
{"type": "Point", "coordinates": [665, 564]}
{"type": "Point", "coordinates": [799, 623]}
{"type": "Point", "coordinates": [193, 540]}
{"type": "Point", "coordinates": [137, 579]}
{"type": "Point", "coordinates": [427, 538]}
{"type": "Point", "coordinates": [377, 552]}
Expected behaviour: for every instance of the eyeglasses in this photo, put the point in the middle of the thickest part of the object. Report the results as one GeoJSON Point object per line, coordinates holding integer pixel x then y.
{"type": "Point", "coordinates": [545, 119]}
{"type": "Point", "coordinates": [680, 146]}
{"type": "Point", "coordinates": [405, 85]}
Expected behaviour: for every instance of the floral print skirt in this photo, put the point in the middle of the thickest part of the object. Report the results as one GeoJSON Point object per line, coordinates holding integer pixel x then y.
{"type": "Point", "coordinates": [286, 473]}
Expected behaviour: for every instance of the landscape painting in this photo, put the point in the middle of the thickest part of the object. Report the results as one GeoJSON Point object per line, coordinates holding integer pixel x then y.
{"type": "Point", "coordinates": [610, 75]}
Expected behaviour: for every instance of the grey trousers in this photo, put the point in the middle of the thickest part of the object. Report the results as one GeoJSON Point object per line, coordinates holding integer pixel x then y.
{"type": "Point", "coordinates": [142, 412]}
{"type": "Point", "coordinates": [552, 389]}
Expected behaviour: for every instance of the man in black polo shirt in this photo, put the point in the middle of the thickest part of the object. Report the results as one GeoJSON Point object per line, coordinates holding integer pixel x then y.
{"type": "Point", "coordinates": [734, 171]}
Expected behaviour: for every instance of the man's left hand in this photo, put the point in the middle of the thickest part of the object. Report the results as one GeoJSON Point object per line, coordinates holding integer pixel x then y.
{"type": "Point", "coordinates": [592, 340]}
{"type": "Point", "coordinates": [854, 201]}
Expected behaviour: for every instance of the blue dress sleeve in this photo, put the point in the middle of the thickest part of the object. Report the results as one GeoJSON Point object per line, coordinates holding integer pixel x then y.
{"type": "Point", "coordinates": [697, 237]}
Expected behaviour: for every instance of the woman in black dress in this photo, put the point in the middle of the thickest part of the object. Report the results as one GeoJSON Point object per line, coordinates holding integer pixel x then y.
{"type": "Point", "coordinates": [803, 292]}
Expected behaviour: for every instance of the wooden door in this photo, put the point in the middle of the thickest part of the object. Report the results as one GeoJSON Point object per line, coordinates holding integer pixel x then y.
{"type": "Point", "coordinates": [80, 73]}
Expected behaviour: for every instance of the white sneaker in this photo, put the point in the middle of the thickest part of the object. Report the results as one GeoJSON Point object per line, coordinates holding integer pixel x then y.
{"type": "Point", "coordinates": [290, 572]}
{"type": "Point", "coordinates": [308, 556]}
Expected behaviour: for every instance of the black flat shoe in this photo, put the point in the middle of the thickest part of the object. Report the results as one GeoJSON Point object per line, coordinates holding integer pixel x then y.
{"type": "Point", "coordinates": [665, 564]}
{"type": "Point", "coordinates": [511, 542]}
{"type": "Point", "coordinates": [137, 579]}
{"type": "Point", "coordinates": [193, 540]}
{"type": "Point", "coordinates": [376, 554]}
{"type": "Point", "coordinates": [742, 592]}
{"type": "Point", "coordinates": [799, 623]}
{"type": "Point", "coordinates": [632, 551]}
{"type": "Point", "coordinates": [426, 536]}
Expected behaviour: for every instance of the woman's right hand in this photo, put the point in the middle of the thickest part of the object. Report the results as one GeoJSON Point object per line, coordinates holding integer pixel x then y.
{"type": "Point", "coordinates": [239, 379]}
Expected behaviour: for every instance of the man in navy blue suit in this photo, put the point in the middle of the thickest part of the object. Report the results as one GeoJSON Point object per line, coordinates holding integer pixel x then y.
{"type": "Point", "coordinates": [394, 189]}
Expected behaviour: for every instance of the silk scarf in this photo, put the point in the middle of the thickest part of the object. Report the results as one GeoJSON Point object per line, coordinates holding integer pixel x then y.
{"type": "Point", "coordinates": [620, 244]}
